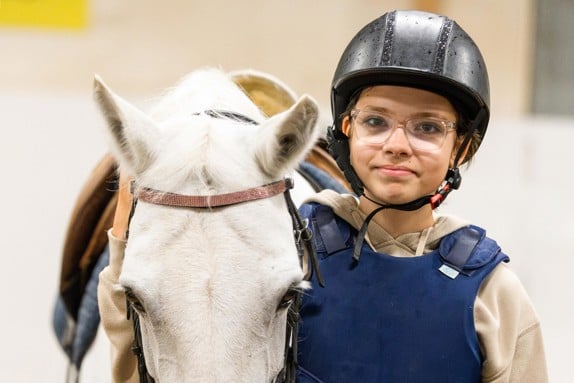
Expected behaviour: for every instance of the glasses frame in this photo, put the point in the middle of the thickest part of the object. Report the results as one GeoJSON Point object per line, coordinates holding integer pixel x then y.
{"type": "Point", "coordinates": [448, 125]}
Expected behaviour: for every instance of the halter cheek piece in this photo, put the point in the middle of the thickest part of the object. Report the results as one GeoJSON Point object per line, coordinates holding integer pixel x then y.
{"type": "Point", "coordinates": [301, 232]}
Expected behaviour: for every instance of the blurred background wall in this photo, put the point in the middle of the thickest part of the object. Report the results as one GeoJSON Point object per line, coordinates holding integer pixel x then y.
{"type": "Point", "coordinates": [518, 187]}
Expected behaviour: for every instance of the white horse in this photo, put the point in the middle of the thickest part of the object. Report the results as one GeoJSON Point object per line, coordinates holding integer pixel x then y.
{"type": "Point", "coordinates": [212, 286]}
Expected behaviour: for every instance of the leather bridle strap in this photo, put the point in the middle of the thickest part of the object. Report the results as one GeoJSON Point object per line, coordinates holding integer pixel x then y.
{"type": "Point", "coordinates": [303, 239]}
{"type": "Point", "coordinates": [310, 265]}
{"type": "Point", "coordinates": [137, 347]}
{"type": "Point", "coordinates": [288, 373]}
{"type": "Point", "coordinates": [227, 115]}
{"type": "Point", "coordinates": [157, 197]}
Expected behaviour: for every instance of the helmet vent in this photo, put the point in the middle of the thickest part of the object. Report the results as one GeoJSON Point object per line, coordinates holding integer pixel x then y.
{"type": "Point", "coordinates": [442, 43]}
{"type": "Point", "coordinates": [388, 42]}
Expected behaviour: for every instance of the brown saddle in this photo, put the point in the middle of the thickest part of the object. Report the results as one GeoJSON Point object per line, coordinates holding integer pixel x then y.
{"type": "Point", "coordinates": [93, 213]}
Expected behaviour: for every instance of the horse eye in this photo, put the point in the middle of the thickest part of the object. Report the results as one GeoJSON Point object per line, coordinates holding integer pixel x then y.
{"type": "Point", "coordinates": [133, 301]}
{"type": "Point", "coordinates": [288, 299]}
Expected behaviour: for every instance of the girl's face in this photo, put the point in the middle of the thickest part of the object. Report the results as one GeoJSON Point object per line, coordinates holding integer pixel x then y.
{"type": "Point", "coordinates": [393, 171]}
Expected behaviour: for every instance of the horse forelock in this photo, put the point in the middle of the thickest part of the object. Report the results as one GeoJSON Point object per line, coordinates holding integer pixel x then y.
{"type": "Point", "coordinates": [203, 155]}
{"type": "Point", "coordinates": [202, 90]}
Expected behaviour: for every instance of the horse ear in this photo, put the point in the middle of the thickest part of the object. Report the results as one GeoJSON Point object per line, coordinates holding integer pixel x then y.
{"type": "Point", "coordinates": [131, 131]}
{"type": "Point", "coordinates": [285, 139]}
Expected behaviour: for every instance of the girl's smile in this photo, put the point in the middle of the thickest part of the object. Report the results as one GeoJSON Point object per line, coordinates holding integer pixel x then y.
{"type": "Point", "coordinates": [396, 171]}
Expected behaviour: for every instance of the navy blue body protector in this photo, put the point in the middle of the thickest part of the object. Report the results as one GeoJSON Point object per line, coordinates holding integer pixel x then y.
{"type": "Point", "coordinates": [392, 319]}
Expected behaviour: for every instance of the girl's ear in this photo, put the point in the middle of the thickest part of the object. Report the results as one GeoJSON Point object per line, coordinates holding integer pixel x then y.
{"type": "Point", "coordinates": [346, 126]}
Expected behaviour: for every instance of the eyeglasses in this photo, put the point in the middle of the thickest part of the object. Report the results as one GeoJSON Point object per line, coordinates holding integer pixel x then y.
{"type": "Point", "coordinates": [424, 133]}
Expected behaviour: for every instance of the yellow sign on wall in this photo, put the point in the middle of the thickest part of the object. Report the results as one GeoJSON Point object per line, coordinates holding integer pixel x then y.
{"type": "Point", "coordinates": [44, 13]}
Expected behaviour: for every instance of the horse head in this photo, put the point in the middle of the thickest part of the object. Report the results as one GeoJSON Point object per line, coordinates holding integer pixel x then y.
{"type": "Point", "coordinates": [211, 286]}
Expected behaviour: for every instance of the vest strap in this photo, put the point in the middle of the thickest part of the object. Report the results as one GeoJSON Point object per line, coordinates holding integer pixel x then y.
{"type": "Point", "coordinates": [329, 231]}
{"type": "Point", "coordinates": [455, 260]}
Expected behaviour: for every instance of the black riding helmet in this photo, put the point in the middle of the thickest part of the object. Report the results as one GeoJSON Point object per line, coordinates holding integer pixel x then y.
{"type": "Point", "coordinates": [415, 49]}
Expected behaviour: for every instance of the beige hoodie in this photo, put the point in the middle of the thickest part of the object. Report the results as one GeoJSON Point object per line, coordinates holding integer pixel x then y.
{"type": "Point", "coordinates": [507, 325]}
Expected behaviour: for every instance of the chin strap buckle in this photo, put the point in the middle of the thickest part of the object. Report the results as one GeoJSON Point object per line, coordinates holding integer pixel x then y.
{"type": "Point", "coordinates": [452, 182]}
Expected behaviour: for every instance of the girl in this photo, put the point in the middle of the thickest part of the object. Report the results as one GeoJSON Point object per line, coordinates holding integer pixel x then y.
{"type": "Point", "coordinates": [410, 296]}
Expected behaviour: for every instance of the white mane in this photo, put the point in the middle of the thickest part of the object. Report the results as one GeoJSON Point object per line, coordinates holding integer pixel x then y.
{"type": "Point", "coordinates": [210, 280]}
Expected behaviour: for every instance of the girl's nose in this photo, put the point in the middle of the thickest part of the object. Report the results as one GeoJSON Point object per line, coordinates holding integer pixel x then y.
{"type": "Point", "coordinates": [398, 143]}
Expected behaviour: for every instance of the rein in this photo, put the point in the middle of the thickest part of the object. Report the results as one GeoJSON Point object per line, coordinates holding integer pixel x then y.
{"type": "Point", "coordinates": [303, 241]}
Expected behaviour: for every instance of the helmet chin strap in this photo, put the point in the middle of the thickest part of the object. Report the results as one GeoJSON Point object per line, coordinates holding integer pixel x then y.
{"type": "Point", "coordinates": [451, 182]}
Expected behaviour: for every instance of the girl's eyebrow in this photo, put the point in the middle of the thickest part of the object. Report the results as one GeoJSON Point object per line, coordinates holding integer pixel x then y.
{"type": "Point", "coordinates": [375, 108]}
{"type": "Point", "coordinates": [382, 109]}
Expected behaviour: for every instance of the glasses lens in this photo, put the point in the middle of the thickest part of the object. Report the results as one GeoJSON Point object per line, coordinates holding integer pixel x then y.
{"type": "Point", "coordinates": [426, 134]}
{"type": "Point", "coordinates": [372, 127]}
